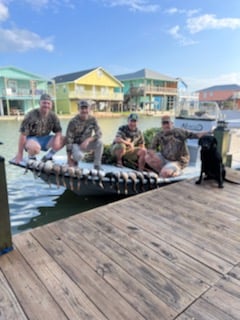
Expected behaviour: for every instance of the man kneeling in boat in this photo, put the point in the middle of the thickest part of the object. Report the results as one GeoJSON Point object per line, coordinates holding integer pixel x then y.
{"type": "Point", "coordinates": [40, 130]}
{"type": "Point", "coordinates": [84, 135]}
{"type": "Point", "coordinates": [169, 153]}
{"type": "Point", "coordinates": [129, 145]}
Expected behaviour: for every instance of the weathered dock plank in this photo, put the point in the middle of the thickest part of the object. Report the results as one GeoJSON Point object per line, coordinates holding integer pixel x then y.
{"type": "Point", "coordinates": [31, 293]}
{"type": "Point", "coordinates": [136, 294]}
{"type": "Point", "coordinates": [163, 249]}
{"type": "Point", "coordinates": [108, 300]}
{"type": "Point", "coordinates": [220, 302]}
{"type": "Point", "coordinates": [180, 277]}
{"type": "Point", "coordinates": [172, 254]}
{"type": "Point", "coordinates": [145, 216]}
{"type": "Point", "coordinates": [61, 287]}
{"type": "Point", "coordinates": [9, 306]}
{"type": "Point", "coordinates": [167, 291]}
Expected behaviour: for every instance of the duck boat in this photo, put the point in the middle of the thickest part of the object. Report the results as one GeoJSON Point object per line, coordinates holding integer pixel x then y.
{"type": "Point", "coordinates": [84, 180]}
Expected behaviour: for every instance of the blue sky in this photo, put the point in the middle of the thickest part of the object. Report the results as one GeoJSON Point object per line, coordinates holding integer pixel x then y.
{"type": "Point", "coordinates": [198, 41]}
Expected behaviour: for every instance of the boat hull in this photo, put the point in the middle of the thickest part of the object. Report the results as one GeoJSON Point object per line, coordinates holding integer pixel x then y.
{"type": "Point", "coordinates": [110, 180]}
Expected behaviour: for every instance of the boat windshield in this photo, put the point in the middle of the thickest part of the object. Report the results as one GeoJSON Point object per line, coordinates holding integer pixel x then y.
{"type": "Point", "coordinates": [199, 109]}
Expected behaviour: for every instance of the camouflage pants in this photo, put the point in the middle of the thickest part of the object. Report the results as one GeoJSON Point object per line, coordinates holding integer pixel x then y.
{"type": "Point", "coordinates": [96, 146]}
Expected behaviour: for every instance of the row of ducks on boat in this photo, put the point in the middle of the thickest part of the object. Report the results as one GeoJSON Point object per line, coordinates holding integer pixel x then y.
{"type": "Point", "coordinates": [64, 173]}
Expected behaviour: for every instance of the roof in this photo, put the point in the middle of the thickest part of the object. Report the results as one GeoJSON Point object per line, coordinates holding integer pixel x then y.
{"type": "Point", "coordinates": [224, 87]}
{"type": "Point", "coordinates": [146, 74]}
{"type": "Point", "coordinates": [16, 73]}
{"type": "Point", "coordinates": [69, 77]}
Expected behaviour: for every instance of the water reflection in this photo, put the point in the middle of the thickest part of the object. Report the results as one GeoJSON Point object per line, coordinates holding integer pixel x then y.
{"type": "Point", "coordinates": [64, 206]}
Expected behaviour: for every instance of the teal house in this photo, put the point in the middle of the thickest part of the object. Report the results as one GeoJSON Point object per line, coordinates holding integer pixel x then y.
{"type": "Point", "coordinates": [149, 90]}
{"type": "Point", "coordinates": [20, 91]}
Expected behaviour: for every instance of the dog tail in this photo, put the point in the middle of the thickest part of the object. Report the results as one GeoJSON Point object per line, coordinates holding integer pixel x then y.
{"type": "Point", "coordinates": [231, 181]}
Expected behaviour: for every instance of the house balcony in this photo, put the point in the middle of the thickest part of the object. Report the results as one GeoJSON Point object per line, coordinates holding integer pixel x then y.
{"type": "Point", "coordinates": [153, 90]}
{"type": "Point", "coordinates": [19, 94]}
{"type": "Point", "coordinates": [98, 96]}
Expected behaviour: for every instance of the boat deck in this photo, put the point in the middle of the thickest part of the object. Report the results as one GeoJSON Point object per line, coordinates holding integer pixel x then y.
{"type": "Point", "coordinates": [170, 253]}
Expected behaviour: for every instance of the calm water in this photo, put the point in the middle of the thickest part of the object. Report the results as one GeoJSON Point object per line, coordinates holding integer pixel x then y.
{"type": "Point", "coordinates": [31, 201]}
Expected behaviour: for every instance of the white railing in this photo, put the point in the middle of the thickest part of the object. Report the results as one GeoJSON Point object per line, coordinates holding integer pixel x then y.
{"type": "Point", "coordinates": [95, 95]}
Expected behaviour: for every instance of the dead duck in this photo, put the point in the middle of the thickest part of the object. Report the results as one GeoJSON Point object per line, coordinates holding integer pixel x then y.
{"type": "Point", "coordinates": [133, 177]}
{"type": "Point", "coordinates": [116, 176]}
{"type": "Point", "coordinates": [34, 166]}
{"type": "Point", "coordinates": [153, 179]}
{"type": "Point", "coordinates": [86, 173]}
{"type": "Point", "coordinates": [78, 174]}
{"type": "Point", "coordinates": [101, 175]}
{"type": "Point", "coordinates": [64, 170]}
{"type": "Point", "coordinates": [47, 168]}
{"type": "Point", "coordinates": [57, 170]}
{"type": "Point", "coordinates": [71, 172]}
{"type": "Point", "coordinates": [124, 176]}
{"type": "Point", "coordinates": [141, 179]}
{"type": "Point", "coordinates": [94, 175]}
{"type": "Point", "coordinates": [29, 165]}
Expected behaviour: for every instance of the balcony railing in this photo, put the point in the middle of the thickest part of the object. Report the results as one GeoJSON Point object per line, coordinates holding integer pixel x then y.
{"type": "Point", "coordinates": [10, 93]}
{"type": "Point", "coordinates": [145, 90]}
{"type": "Point", "coordinates": [113, 96]}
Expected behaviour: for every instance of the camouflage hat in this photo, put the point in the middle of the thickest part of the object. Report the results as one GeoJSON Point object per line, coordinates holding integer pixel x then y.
{"type": "Point", "coordinates": [133, 117]}
{"type": "Point", "coordinates": [45, 96]}
{"type": "Point", "coordinates": [166, 118]}
{"type": "Point", "coordinates": [83, 104]}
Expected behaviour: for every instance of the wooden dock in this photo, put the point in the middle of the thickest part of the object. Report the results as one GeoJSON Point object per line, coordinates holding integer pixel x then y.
{"type": "Point", "coordinates": [170, 253]}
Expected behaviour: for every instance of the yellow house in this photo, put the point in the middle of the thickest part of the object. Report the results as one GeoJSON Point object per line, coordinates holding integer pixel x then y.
{"type": "Point", "coordinates": [97, 85]}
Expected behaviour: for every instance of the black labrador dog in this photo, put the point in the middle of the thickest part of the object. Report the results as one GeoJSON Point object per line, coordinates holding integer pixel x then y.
{"type": "Point", "coordinates": [212, 165]}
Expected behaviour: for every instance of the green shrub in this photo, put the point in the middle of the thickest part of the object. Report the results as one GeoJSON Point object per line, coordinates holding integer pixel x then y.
{"type": "Point", "coordinates": [148, 136]}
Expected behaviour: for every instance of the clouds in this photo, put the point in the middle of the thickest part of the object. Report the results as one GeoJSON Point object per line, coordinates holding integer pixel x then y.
{"type": "Point", "coordinates": [176, 34]}
{"type": "Point", "coordinates": [133, 5]}
{"type": "Point", "coordinates": [195, 24]}
{"type": "Point", "coordinates": [209, 21]}
{"type": "Point", "coordinates": [18, 39]}
{"type": "Point", "coordinates": [21, 40]}
{"type": "Point", "coordinates": [54, 5]}
{"type": "Point", "coordinates": [4, 14]}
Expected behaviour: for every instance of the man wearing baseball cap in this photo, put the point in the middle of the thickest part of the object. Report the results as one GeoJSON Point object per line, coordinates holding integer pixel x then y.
{"type": "Point", "coordinates": [84, 135]}
{"type": "Point", "coordinates": [170, 148]}
{"type": "Point", "coordinates": [40, 130]}
{"type": "Point", "coordinates": [129, 143]}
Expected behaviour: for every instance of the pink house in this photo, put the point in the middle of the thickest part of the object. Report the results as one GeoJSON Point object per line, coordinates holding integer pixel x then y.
{"type": "Point", "coordinates": [227, 96]}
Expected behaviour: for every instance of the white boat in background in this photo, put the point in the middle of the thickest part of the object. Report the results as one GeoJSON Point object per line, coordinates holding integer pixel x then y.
{"type": "Point", "coordinates": [207, 116]}
{"type": "Point", "coordinates": [204, 116]}
{"type": "Point", "coordinates": [198, 117]}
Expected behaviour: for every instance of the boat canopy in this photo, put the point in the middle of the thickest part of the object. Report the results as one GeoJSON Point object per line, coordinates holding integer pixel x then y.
{"type": "Point", "coordinates": [199, 109]}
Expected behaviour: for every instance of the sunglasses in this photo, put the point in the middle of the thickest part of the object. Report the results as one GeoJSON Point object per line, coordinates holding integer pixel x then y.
{"type": "Point", "coordinates": [165, 122]}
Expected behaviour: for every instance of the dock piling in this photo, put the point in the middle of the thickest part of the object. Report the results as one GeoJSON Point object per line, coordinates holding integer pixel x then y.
{"type": "Point", "coordinates": [5, 226]}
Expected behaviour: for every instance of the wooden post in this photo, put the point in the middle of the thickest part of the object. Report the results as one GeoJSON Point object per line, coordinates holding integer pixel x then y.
{"type": "Point", "coordinates": [5, 226]}
{"type": "Point", "coordinates": [222, 134]}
